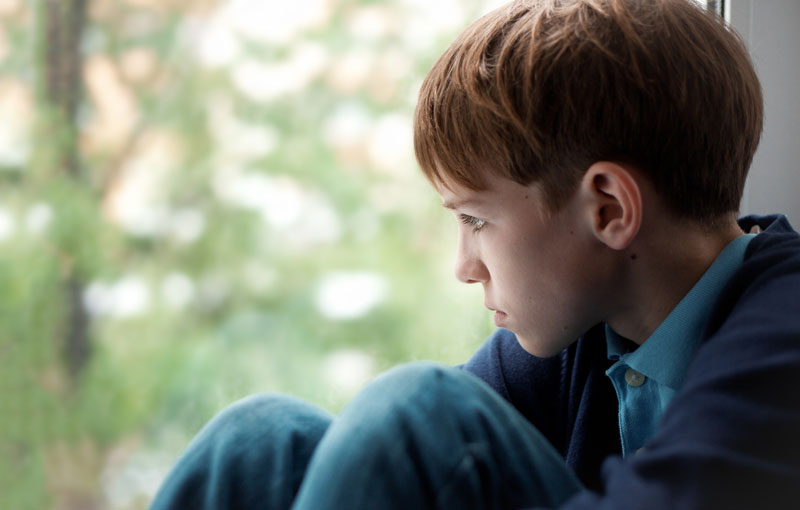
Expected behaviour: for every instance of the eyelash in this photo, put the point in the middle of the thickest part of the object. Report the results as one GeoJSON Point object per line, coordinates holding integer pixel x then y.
{"type": "Point", "coordinates": [475, 223]}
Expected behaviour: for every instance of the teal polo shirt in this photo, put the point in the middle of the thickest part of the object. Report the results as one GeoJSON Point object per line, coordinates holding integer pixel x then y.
{"type": "Point", "coordinates": [647, 378]}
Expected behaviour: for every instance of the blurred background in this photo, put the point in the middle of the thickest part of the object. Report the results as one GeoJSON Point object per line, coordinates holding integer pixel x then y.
{"type": "Point", "coordinates": [205, 199]}
{"type": "Point", "coordinates": [201, 200]}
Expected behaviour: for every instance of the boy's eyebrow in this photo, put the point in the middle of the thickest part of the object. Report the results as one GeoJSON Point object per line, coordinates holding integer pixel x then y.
{"type": "Point", "coordinates": [457, 204]}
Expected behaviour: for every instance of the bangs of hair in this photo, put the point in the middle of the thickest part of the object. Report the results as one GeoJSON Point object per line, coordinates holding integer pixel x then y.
{"type": "Point", "coordinates": [539, 90]}
{"type": "Point", "coordinates": [467, 124]}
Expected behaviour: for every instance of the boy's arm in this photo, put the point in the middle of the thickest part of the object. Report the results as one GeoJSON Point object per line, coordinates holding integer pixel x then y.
{"type": "Point", "coordinates": [731, 436]}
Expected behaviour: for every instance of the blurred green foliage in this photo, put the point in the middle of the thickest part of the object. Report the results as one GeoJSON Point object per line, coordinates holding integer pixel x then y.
{"type": "Point", "coordinates": [246, 216]}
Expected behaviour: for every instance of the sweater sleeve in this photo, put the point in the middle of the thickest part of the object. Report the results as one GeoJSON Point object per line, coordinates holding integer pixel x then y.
{"type": "Point", "coordinates": [730, 439]}
{"type": "Point", "coordinates": [567, 397]}
{"type": "Point", "coordinates": [529, 383]}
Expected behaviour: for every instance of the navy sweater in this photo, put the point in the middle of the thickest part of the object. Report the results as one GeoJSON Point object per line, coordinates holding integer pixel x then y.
{"type": "Point", "coordinates": [730, 438]}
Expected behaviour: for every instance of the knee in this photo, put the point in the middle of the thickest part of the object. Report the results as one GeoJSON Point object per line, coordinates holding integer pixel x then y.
{"type": "Point", "coordinates": [264, 406]}
{"type": "Point", "coordinates": [411, 408]}
{"type": "Point", "coordinates": [419, 373]}
{"type": "Point", "coordinates": [414, 389]}
{"type": "Point", "coordinates": [424, 378]}
{"type": "Point", "coordinates": [265, 414]}
{"type": "Point", "coordinates": [225, 464]}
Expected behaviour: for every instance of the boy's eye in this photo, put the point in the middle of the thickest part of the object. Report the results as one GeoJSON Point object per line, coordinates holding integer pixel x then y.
{"type": "Point", "coordinates": [475, 223]}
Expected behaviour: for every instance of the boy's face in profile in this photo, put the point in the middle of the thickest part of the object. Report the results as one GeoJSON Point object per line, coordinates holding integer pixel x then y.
{"type": "Point", "coordinates": [536, 267]}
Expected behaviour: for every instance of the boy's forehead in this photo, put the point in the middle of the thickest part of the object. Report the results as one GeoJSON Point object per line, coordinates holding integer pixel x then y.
{"type": "Point", "coordinates": [455, 196]}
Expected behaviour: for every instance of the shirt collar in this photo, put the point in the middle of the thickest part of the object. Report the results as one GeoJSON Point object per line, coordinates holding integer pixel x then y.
{"type": "Point", "coordinates": [666, 354]}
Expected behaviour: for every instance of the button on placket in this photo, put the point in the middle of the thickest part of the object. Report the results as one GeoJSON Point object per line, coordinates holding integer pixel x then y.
{"type": "Point", "coordinates": [634, 378]}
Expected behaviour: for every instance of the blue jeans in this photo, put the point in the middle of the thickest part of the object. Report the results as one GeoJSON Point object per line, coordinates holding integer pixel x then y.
{"type": "Point", "coordinates": [419, 436]}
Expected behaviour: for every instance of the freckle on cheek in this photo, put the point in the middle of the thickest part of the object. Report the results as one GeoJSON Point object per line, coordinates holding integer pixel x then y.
{"type": "Point", "coordinates": [633, 256]}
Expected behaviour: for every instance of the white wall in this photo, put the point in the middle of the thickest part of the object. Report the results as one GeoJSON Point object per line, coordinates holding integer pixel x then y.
{"type": "Point", "coordinates": [771, 29]}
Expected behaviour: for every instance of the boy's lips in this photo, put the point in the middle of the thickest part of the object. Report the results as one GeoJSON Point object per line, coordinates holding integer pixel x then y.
{"type": "Point", "coordinates": [499, 315]}
{"type": "Point", "coordinates": [499, 318]}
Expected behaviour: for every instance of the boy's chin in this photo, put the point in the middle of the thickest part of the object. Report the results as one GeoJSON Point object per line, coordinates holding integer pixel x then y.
{"type": "Point", "coordinates": [542, 347]}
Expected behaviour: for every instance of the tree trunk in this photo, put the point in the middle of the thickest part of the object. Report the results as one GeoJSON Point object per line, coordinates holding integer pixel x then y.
{"type": "Point", "coordinates": [64, 22]}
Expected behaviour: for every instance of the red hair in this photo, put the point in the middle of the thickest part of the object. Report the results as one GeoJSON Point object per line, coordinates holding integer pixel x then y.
{"type": "Point", "coordinates": [538, 90]}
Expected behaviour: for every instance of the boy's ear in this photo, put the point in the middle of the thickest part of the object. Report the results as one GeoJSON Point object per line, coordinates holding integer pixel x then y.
{"type": "Point", "coordinates": [612, 203]}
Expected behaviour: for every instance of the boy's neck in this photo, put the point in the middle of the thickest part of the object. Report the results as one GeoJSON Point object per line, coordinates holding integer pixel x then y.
{"type": "Point", "coordinates": [669, 262]}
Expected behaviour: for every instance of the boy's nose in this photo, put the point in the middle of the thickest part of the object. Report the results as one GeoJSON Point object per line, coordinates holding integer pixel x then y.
{"type": "Point", "coordinates": [469, 267]}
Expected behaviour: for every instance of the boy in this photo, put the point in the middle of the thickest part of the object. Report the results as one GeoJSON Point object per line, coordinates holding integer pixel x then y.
{"type": "Point", "coordinates": [594, 152]}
